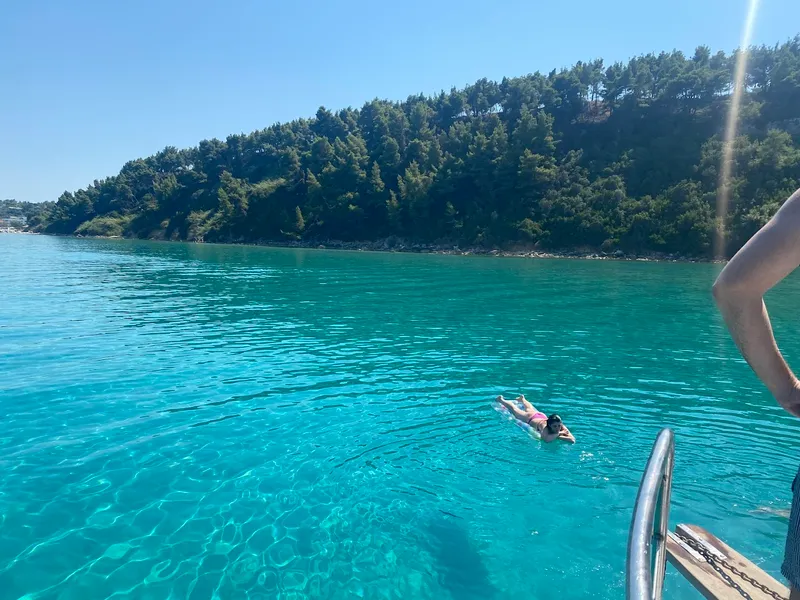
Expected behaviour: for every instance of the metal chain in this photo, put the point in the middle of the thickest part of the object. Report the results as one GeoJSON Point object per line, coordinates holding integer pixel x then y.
{"type": "Point", "coordinates": [716, 563]}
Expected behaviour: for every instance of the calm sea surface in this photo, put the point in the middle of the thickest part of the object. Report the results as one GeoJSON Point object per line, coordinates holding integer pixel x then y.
{"type": "Point", "coordinates": [195, 421]}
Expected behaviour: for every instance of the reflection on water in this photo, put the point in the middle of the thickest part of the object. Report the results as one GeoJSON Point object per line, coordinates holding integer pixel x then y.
{"type": "Point", "coordinates": [235, 422]}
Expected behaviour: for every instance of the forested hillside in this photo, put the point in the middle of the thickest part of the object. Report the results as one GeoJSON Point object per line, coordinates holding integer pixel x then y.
{"type": "Point", "coordinates": [621, 156]}
{"type": "Point", "coordinates": [32, 211]}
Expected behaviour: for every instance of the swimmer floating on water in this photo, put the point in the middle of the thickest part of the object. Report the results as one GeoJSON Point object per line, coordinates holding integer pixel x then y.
{"type": "Point", "coordinates": [550, 428]}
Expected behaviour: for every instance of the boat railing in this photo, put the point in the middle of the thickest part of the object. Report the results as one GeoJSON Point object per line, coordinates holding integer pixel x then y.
{"type": "Point", "coordinates": [645, 569]}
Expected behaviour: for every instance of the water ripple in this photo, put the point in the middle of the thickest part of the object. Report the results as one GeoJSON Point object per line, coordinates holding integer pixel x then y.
{"type": "Point", "coordinates": [196, 421]}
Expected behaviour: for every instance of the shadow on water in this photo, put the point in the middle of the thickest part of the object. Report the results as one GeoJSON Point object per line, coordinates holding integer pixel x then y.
{"type": "Point", "coordinates": [459, 565]}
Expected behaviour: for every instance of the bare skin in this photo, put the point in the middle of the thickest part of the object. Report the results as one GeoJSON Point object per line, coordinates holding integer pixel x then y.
{"type": "Point", "coordinates": [769, 256]}
{"type": "Point", "coordinates": [525, 415]}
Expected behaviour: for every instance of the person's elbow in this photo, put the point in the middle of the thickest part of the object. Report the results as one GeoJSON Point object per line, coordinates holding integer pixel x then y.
{"type": "Point", "coordinates": [730, 292]}
{"type": "Point", "coordinates": [731, 285]}
{"type": "Point", "coordinates": [721, 291]}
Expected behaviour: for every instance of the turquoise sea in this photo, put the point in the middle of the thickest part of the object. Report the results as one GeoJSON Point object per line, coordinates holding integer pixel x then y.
{"type": "Point", "coordinates": [196, 421]}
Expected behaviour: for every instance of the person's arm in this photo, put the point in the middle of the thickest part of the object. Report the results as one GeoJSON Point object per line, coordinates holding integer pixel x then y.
{"type": "Point", "coordinates": [769, 256]}
{"type": "Point", "coordinates": [566, 435]}
{"type": "Point", "coordinates": [546, 436]}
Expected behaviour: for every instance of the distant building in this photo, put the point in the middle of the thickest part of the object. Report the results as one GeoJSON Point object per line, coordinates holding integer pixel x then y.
{"type": "Point", "coordinates": [12, 217]}
{"type": "Point", "coordinates": [13, 222]}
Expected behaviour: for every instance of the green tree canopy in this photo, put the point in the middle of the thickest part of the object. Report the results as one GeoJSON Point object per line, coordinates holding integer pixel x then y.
{"type": "Point", "coordinates": [602, 156]}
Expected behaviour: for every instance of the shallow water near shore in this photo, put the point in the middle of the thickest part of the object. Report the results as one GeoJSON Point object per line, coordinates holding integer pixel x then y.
{"type": "Point", "coordinates": [200, 421]}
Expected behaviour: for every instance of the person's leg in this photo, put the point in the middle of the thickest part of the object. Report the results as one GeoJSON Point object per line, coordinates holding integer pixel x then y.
{"type": "Point", "coordinates": [791, 560]}
{"type": "Point", "coordinates": [525, 403]}
{"type": "Point", "coordinates": [514, 409]}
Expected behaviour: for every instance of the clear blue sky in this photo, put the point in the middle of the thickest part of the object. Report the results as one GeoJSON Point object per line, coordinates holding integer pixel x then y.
{"type": "Point", "coordinates": [90, 84]}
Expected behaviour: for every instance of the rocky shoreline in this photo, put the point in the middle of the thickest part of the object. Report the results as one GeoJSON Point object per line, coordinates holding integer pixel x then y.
{"type": "Point", "coordinates": [399, 245]}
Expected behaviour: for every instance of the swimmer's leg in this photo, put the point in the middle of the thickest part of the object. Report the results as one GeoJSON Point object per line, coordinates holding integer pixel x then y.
{"type": "Point", "coordinates": [525, 403]}
{"type": "Point", "coordinates": [514, 409]}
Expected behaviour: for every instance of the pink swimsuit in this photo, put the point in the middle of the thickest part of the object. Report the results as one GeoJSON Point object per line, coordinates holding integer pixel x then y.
{"type": "Point", "coordinates": [535, 416]}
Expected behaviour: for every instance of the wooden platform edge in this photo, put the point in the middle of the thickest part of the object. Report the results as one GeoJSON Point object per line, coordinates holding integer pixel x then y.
{"type": "Point", "coordinates": [705, 579]}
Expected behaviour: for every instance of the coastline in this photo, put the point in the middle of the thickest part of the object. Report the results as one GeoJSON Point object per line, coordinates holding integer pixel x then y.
{"type": "Point", "coordinates": [399, 245]}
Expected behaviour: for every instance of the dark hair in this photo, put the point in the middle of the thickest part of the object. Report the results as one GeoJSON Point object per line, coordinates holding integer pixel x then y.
{"type": "Point", "coordinates": [554, 424]}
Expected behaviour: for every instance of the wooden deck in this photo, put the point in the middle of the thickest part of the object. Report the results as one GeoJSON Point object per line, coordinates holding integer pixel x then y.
{"type": "Point", "coordinates": [705, 579]}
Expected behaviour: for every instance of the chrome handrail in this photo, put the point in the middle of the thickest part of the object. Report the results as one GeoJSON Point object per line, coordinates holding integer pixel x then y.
{"type": "Point", "coordinates": [645, 576]}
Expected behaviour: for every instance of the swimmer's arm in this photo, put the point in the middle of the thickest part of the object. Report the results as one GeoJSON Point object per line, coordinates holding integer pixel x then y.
{"type": "Point", "coordinates": [769, 256]}
{"type": "Point", "coordinates": [566, 435]}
